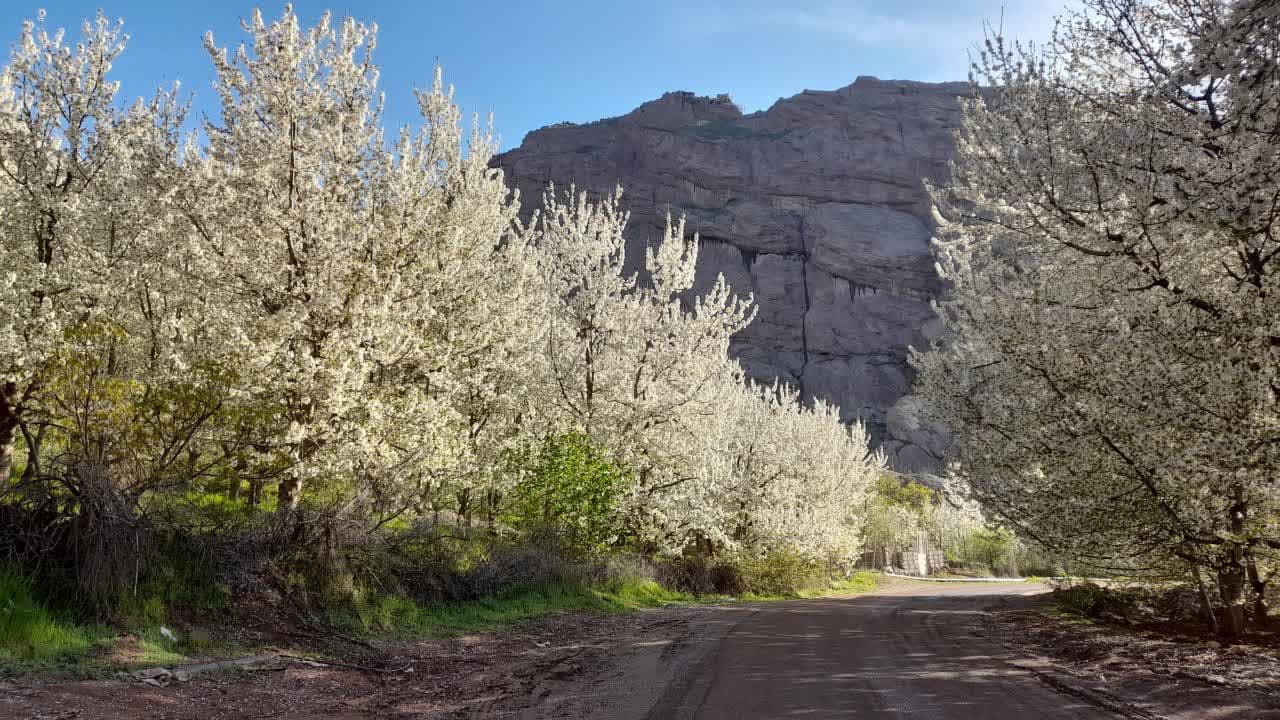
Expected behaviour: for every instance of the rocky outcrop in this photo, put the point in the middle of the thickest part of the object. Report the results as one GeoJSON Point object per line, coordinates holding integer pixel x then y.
{"type": "Point", "coordinates": [816, 206]}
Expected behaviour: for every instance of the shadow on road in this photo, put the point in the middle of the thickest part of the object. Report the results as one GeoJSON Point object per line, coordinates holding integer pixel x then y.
{"type": "Point", "coordinates": [911, 656]}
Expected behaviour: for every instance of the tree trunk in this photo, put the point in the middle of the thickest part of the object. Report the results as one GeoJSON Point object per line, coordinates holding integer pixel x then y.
{"type": "Point", "coordinates": [495, 499]}
{"type": "Point", "coordinates": [34, 443]}
{"type": "Point", "coordinates": [8, 430]}
{"type": "Point", "coordinates": [193, 465]}
{"type": "Point", "coordinates": [464, 507]}
{"type": "Point", "coordinates": [238, 468]}
{"type": "Point", "coordinates": [1259, 593]}
{"type": "Point", "coordinates": [1231, 576]}
{"type": "Point", "coordinates": [1205, 602]}
{"type": "Point", "coordinates": [289, 492]}
{"type": "Point", "coordinates": [7, 442]}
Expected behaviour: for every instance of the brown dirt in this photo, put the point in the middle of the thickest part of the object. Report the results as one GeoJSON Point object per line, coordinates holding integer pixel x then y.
{"type": "Point", "coordinates": [1166, 669]}
{"type": "Point", "coordinates": [430, 679]}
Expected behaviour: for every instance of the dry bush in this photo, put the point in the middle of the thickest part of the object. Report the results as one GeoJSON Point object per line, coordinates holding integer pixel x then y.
{"type": "Point", "coordinates": [76, 534]}
{"type": "Point", "coordinates": [700, 575]}
{"type": "Point", "coordinates": [625, 566]}
{"type": "Point", "coordinates": [541, 559]}
{"type": "Point", "coordinates": [110, 545]}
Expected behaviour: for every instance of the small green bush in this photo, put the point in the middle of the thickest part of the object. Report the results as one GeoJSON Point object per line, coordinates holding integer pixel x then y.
{"type": "Point", "coordinates": [912, 495]}
{"type": "Point", "coordinates": [700, 575]}
{"type": "Point", "coordinates": [996, 548]}
{"type": "Point", "coordinates": [773, 574]}
{"type": "Point", "coordinates": [782, 573]}
{"type": "Point", "coordinates": [573, 489]}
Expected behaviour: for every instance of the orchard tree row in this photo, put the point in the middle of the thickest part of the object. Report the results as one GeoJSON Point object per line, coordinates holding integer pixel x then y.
{"type": "Point", "coordinates": [292, 306]}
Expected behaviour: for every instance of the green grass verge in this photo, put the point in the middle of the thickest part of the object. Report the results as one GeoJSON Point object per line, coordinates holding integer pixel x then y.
{"type": "Point", "coordinates": [33, 640]}
{"type": "Point", "coordinates": [29, 633]}
{"type": "Point", "coordinates": [400, 617]}
{"type": "Point", "coordinates": [860, 583]}
{"type": "Point", "coordinates": [100, 651]}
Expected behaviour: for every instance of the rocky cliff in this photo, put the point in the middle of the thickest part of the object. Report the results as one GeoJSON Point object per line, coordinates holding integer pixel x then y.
{"type": "Point", "coordinates": [816, 206]}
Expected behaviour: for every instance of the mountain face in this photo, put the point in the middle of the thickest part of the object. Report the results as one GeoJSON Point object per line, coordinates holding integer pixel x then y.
{"type": "Point", "coordinates": [816, 206]}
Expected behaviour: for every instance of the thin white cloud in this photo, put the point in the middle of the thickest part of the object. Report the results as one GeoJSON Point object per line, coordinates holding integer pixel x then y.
{"type": "Point", "coordinates": [933, 29]}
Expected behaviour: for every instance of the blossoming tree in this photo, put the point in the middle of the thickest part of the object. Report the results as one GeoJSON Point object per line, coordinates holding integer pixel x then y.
{"type": "Point", "coordinates": [1109, 237]}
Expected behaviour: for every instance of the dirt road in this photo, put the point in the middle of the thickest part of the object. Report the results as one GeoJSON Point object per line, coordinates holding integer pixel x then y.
{"type": "Point", "coordinates": [874, 657]}
{"type": "Point", "coordinates": [916, 650]}
{"type": "Point", "coordinates": [909, 652]}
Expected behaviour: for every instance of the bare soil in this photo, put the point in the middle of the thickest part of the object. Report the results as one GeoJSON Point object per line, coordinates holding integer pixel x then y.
{"type": "Point", "coordinates": [463, 677]}
{"type": "Point", "coordinates": [1166, 669]}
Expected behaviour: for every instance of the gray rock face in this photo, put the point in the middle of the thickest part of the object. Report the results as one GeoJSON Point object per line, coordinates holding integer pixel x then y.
{"type": "Point", "coordinates": [816, 206]}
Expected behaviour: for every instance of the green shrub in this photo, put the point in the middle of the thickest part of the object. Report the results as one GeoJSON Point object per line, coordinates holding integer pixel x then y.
{"type": "Point", "coordinates": [1128, 605]}
{"type": "Point", "coordinates": [782, 573]}
{"type": "Point", "coordinates": [573, 489]}
{"type": "Point", "coordinates": [779, 573]}
{"type": "Point", "coordinates": [996, 548]}
{"type": "Point", "coordinates": [700, 575]}
{"type": "Point", "coordinates": [912, 495]}
{"type": "Point", "coordinates": [389, 577]}
{"type": "Point", "coordinates": [423, 562]}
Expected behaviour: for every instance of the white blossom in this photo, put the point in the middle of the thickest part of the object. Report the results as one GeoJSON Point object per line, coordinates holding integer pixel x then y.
{"type": "Point", "coordinates": [1109, 237]}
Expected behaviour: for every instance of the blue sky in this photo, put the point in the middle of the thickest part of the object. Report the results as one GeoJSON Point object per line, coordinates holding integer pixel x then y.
{"type": "Point", "coordinates": [533, 63]}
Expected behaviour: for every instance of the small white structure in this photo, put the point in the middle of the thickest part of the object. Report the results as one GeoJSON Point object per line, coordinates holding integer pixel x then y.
{"type": "Point", "coordinates": [920, 559]}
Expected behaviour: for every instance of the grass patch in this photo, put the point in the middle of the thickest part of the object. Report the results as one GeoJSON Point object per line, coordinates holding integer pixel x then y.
{"type": "Point", "coordinates": [1084, 600]}
{"type": "Point", "coordinates": [1066, 616]}
{"type": "Point", "coordinates": [639, 594]}
{"type": "Point", "coordinates": [101, 650]}
{"type": "Point", "coordinates": [400, 617]}
{"type": "Point", "coordinates": [147, 649]}
{"type": "Point", "coordinates": [397, 616]}
{"type": "Point", "coordinates": [29, 633]}
{"type": "Point", "coordinates": [860, 583]}
{"type": "Point", "coordinates": [35, 639]}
